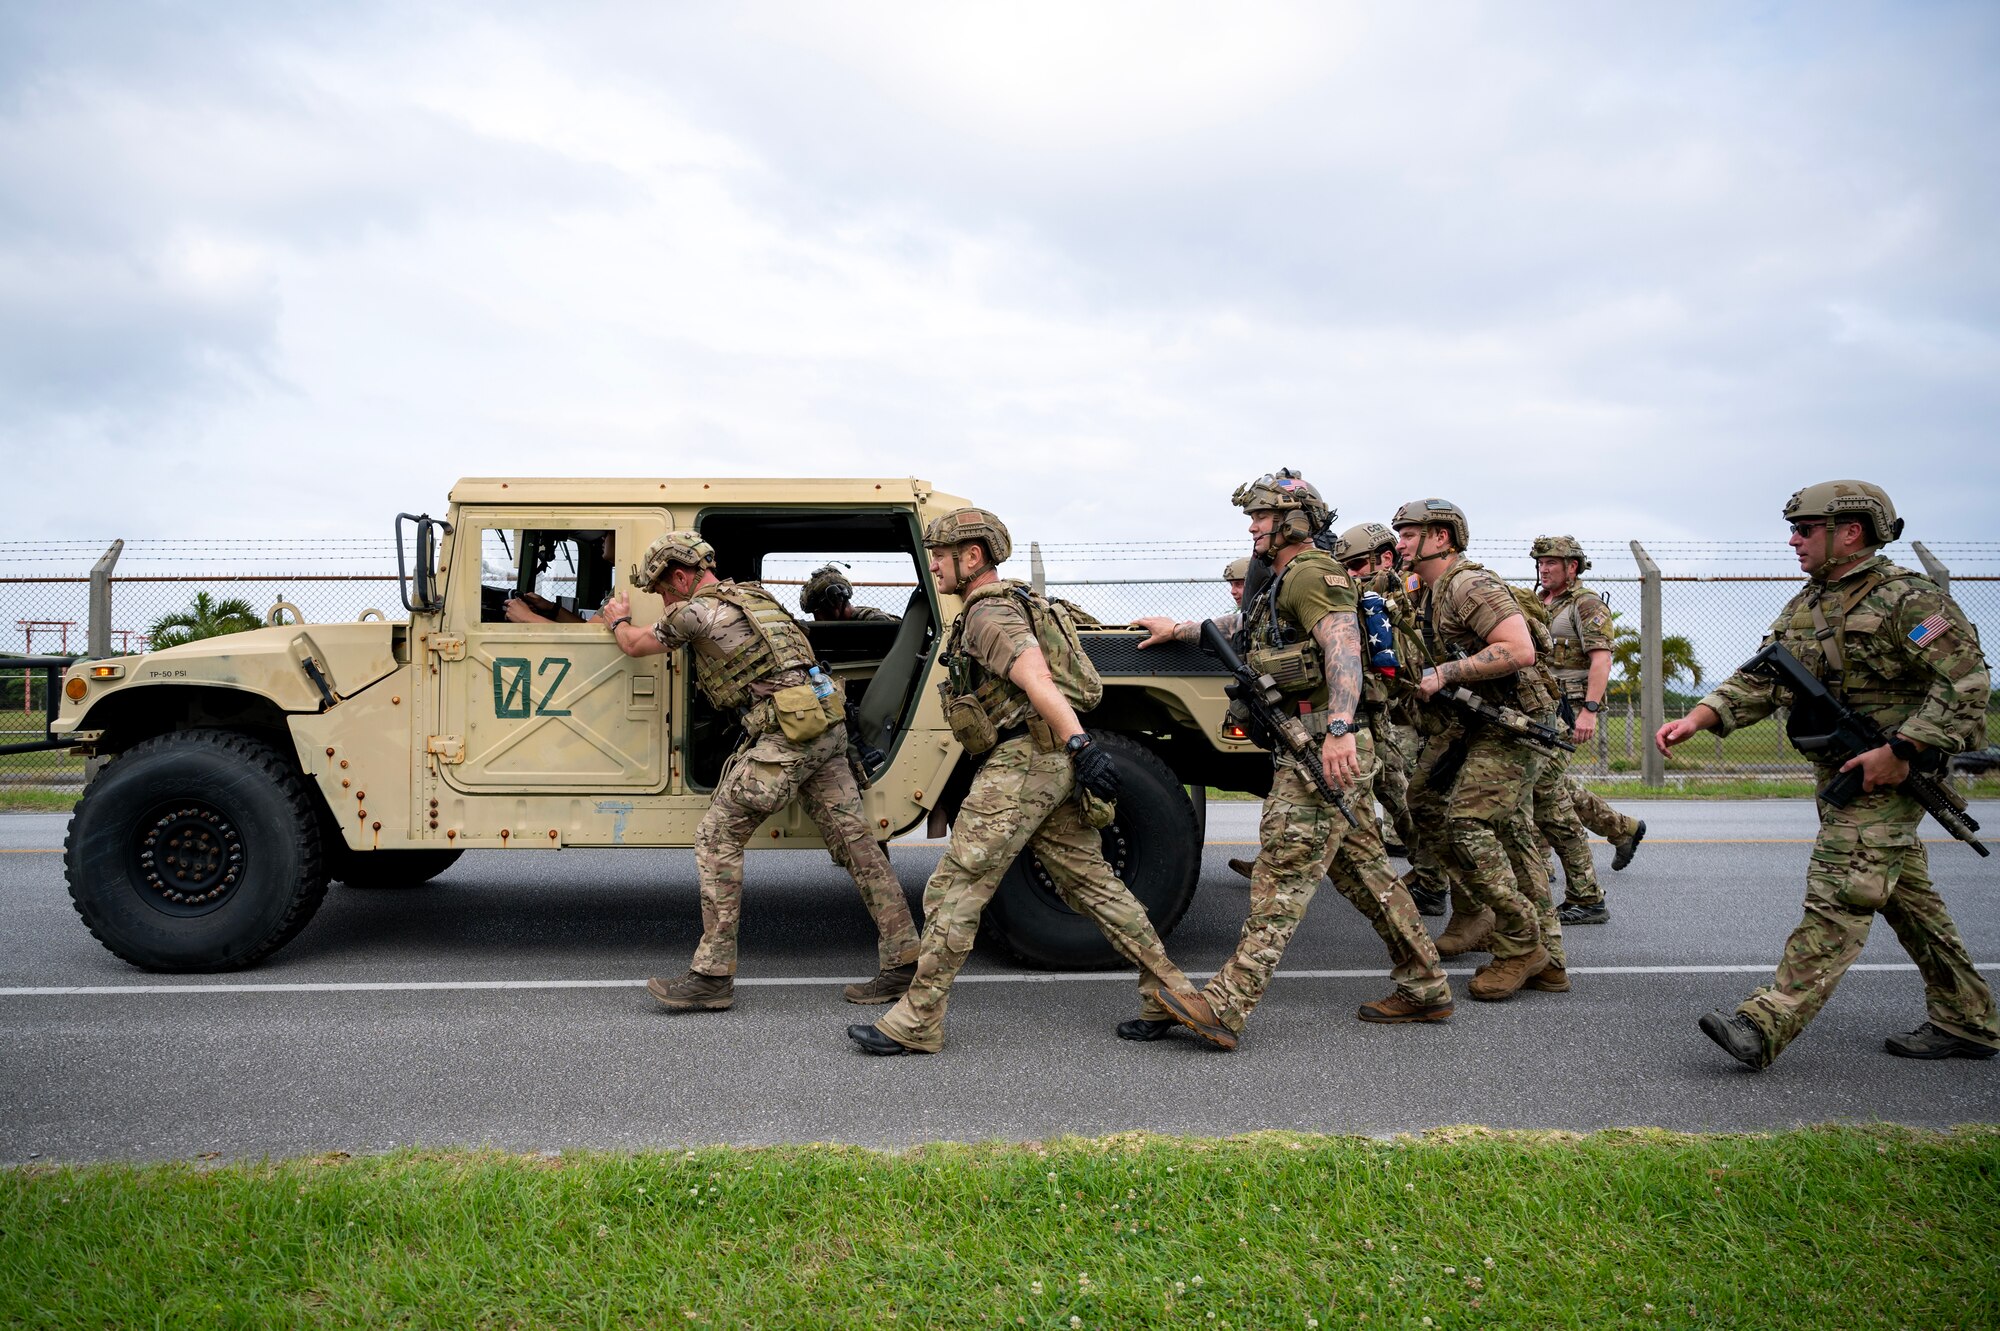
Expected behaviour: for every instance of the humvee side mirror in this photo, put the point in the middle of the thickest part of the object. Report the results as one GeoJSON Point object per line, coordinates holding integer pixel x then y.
{"type": "Point", "coordinates": [427, 598]}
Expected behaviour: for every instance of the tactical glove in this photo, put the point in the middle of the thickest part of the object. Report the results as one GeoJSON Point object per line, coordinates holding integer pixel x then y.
{"type": "Point", "coordinates": [1096, 772]}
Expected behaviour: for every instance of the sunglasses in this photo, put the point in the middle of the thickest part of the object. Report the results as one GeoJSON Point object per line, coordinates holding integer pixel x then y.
{"type": "Point", "coordinates": [1806, 528]}
{"type": "Point", "coordinates": [1357, 565]}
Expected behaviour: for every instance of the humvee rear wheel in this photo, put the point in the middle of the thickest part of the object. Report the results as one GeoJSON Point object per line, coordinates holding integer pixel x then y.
{"type": "Point", "coordinates": [195, 851]}
{"type": "Point", "coordinates": [389, 868]}
{"type": "Point", "coordinates": [1153, 846]}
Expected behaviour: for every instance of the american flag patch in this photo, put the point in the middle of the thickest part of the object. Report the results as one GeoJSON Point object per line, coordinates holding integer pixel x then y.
{"type": "Point", "coordinates": [1929, 629]}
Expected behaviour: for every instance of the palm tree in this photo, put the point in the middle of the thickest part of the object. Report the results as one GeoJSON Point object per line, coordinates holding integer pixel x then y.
{"type": "Point", "coordinates": [1677, 661]}
{"type": "Point", "coordinates": [206, 618]}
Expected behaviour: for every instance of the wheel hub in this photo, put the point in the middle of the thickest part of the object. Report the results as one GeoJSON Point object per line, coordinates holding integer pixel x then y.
{"type": "Point", "coordinates": [190, 856]}
{"type": "Point", "coordinates": [1117, 853]}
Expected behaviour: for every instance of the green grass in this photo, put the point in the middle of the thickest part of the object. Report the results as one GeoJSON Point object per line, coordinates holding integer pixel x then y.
{"type": "Point", "coordinates": [1827, 1227]}
{"type": "Point", "coordinates": [1746, 787]}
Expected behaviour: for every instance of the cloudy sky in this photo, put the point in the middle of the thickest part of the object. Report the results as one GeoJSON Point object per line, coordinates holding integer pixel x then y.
{"type": "Point", "coordinates": [1613, 269]}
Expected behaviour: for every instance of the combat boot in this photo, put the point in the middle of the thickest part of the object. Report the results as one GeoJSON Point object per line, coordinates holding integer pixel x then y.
{"type": "Point", "coordinates": [1396, 1009]}
{"type": "Point", "coordinates": [875, 1042]}
{"type": "Point", "coordinates": [1738, 1036]}
{"type": "Point", "coordinates": [1584, 912]}
{"type": "Point", "coordinates": [1927, 1041]}
{"type": "Point", "coordinates": [1466, 933]}
{"type": "Point", "coordinates": [1500, 979]}
{"type": "Point", "coordinates": [1145, 1028]}
{"type": "Point", "coordinates": [1242, 866]}
{"type": "Point", "coordinates": [1192, 1011]}
{"type": "Point", "coordinates": [694, 992]}
{"type": "Point", "coordinates": [1552, 979]}
{"type": "Point", "coordinates": [1626, 849]}
{"type": "Point", "coordinates": [1428, 900]}
{"type": "Point", "coordinates": [886, 987]}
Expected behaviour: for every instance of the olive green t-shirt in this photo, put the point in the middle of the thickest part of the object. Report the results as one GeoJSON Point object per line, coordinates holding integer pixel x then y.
{"type": "Point", "coordinates": [1313, 587]}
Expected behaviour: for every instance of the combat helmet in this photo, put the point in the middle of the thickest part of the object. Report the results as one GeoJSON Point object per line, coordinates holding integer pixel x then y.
{"type": "Point", "coordinates": [1236, 570]}
{"type": "Point", "coordinates": [1359, 542]}
{"type": "Point", "coordinates": [1849, 501]}
{"type": "Point", "coordinates": [1435, 512]}
{"type": "Point", "coordinates": [682, 549]}
{"type": "Point", "coordinates": [1559, 547]}
{"type": "Point", "coordinates": [970, 524]}
{"type": "Point", "coordinates": [827, 589]}
{"type": "Point", "coordinates": [1302, 512]}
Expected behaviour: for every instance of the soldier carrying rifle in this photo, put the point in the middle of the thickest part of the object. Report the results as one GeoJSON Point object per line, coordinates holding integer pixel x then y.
{"type": "Point", "coordinates": [1897, 654]}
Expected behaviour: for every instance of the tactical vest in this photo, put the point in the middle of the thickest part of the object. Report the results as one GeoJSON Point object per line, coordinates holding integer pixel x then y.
{"type": "Point", "coordinates": [1289, 654]}
{"type": "Point", "coordinates": [780, 645]}
{"type": "Point", "coordinates": [1822, 624]}
{"type": "Point", "coordinates": [1567, 660]}
{"type": "Point", "coordinates": [1003, 702]}
{"type": "Point", "coordinates": [1531, 690]}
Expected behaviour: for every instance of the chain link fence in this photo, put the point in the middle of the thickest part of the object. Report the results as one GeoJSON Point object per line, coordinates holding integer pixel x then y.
{"type": "Point", "coordinates": [1717, 599]}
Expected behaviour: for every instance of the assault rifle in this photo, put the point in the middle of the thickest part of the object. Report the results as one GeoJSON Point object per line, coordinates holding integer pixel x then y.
{"type": "Point", "coordinates": [1535, 734]}
{"type": "Point", "coordinates": [1260, 697]}
{"type": "Point", "coordinates": [1821, 726]}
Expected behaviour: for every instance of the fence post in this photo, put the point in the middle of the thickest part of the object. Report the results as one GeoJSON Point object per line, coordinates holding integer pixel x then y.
{"type": "Point", "coordinates": [100, 600]}
{"type": "Point", "coordinates": [1939, 573]}
{"type": "Point", "coordinates": [1035, 575]}
{"type": "Point", "coordinates": [1652, 688]}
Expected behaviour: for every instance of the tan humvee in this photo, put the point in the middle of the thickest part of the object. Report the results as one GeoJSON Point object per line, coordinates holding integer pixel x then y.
{"type": "Point", "coordinates": [244, 772]}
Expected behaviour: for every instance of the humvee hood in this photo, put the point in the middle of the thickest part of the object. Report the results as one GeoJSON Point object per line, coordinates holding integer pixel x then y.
{"type": "Point", "coordinates": [272, 661]}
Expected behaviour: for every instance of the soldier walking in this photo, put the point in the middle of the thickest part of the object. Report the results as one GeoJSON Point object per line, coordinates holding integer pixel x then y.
{"type": "Point", "coordinates": [1014, 709]}
{"type": "Point", "coordinates": [752, 658]}
{"type": "Point", "coordinates": [1368, 553]}
{"type": "Point", "coordinates": [1894, 647]}
{"type": "Point", "coordinates": [1580, 626]}
{"type": "Point", "coordinates": [1477, 777]}
{"type": "Point", "coordinates": [1303, 629]}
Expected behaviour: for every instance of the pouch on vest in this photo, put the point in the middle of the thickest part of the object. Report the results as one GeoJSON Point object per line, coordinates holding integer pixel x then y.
{"type": "Point", "coordinates": [800, 714]}
{"type": "Point", "coordinates": [1293, 669]}
{"type": "Point", "coordinates": [970, 725]}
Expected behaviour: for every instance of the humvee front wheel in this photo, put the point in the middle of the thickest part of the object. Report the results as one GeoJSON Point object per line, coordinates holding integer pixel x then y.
{"type": "Point", "coordinates": [1153, 846]}
{"type": "Point", "coordinates": [195, 851]}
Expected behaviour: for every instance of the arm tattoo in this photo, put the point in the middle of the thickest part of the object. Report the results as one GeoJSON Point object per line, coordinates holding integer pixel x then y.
{"type": "Point", "coordinates": [1190, 631]}
{"type": "Point", "coordinates": [1339, 639]}
{"type": "Point", "coordinates": [1492, 661]}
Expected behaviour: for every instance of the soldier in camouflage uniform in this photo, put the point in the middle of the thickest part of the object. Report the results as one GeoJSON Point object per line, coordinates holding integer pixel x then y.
{"type": "Point", "coordinates": [1580, 626]}
{"type": "Point", "coordinates": [752, 658]}
{"type": "Point", "coordinates": [1304, 629]}
{"type": "Point", "coordinates": [1893, 646]}
{"type": "Point", "coordinates": [1011, 705]}
{"type": "Point", "coordinates": [828, 595]}
{"type": "Point", "coordinates": [1233, 573]}
{"type": "Point", "coordinates": [1368, 553]}
{"type": "Point", "coordinates": [1474, 775]}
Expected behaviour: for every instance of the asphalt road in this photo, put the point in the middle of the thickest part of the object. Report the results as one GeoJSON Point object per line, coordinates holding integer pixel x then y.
{"type": "Point", "coordinates": [542, 1038]}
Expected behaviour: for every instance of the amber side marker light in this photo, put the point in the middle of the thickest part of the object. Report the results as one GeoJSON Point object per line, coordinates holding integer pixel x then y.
{"type": "Point", "coordinates": [74, 688]}
{"type": "Point", "coordinates": [107, 672]}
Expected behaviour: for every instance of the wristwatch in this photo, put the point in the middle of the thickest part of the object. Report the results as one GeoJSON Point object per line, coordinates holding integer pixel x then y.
{"type": "Point", "coordinates": [1076, 744]}
{"type": "Point", "coordinates": [622, 619]}
{"type": "Point", "coordinates": [1336, 728]}
{"type": "Point", "coordinates": [1903, 748]}
{"type": "Point", "coordinates": [1589, 706]}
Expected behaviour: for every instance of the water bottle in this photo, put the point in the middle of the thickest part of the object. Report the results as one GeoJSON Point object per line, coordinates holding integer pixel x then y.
{"type": "Point", "coordinates": [822, 686]}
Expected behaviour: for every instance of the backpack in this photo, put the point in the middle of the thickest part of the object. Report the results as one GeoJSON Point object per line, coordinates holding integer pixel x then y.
{"type": "Point", "coordinates": [1055, 622]}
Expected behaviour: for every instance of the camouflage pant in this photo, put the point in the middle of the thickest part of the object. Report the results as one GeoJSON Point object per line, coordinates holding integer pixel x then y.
{"type": "Point", "coordinates": [1598, 816]}
{"type": "Point", "coordinates": [1491, 843]}
{"type": "Point", "coordinates": [1557, 822]}
{"type": "Point", "coordinates": [1392, 776]}
{"type": "Point", "coordinates": [1868, 860]}
{"type": "Point", "coordinates": [1302, 838]}
{"type": "Point", "coordinates": [1019, 799]}
{"type": "Point", "coordinates": [756, 783]}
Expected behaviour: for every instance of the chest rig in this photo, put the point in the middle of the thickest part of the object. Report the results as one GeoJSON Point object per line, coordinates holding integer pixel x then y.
{"type": "Point", "coordinates": [1288, 653]}
{"type": "Point", "coordinates": [777, 644]}
{"type": "Point", "coordinates": [977, 701]}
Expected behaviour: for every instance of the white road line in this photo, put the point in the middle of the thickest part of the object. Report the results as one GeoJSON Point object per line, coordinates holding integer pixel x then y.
{"type": "Point", "coordinates": [792, 981]}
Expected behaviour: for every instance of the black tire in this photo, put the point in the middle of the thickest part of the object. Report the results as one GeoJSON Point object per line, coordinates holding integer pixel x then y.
{"type": "Point", "coordinates": [196, 851]}
{"type": "Point", "coordinates": [1153, 846]}
{"type": "Point", "coordinates": [390, 868]}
